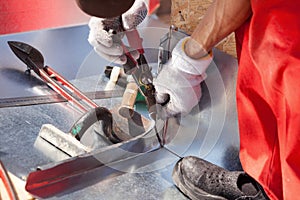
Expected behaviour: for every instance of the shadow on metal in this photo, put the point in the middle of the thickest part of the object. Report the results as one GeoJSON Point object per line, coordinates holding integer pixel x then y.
{"type": "Point", "coordinates": [20, 77]}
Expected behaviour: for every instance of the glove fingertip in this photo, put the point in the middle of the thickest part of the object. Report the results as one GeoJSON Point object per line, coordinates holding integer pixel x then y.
{"type": "Point", "coordinates": [92, 41]}
{"type": "Point", "coordinates": [159, 98]}
{"type": "Point", "coordinates": [169, 112]}
{"type": "Point", "coordinates": [122, 60]}
{"type": "Point", "coordinates": [162, 98]}
{"type": "Point", "coordinates": [135, 54]}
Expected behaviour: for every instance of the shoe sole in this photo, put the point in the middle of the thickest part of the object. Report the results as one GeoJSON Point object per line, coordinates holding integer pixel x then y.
{"type": "Point", "coordinates": [182, 183]}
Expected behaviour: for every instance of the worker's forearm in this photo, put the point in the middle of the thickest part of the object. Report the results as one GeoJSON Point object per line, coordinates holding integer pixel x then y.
{"type": "Point", "coordinates": [222, 18]}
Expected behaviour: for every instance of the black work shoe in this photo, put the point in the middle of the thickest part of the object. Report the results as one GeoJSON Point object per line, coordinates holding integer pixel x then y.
{"type": "Point", "coordinates": [199, 179]}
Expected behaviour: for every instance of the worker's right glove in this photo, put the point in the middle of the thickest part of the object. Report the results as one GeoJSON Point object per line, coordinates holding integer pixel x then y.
{"type": "Point", "coordinates": [177, 86]}
{"type": "Point", "coordinates": [106, 34]}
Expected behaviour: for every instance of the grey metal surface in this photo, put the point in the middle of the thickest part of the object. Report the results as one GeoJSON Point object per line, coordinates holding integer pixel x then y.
{"type": "Point", "coordinates": [209, 132]}
{"type": "Point", "coordinates": [49, 41]}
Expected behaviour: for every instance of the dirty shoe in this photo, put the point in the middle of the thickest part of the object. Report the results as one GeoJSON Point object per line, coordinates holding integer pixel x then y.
{"type": "Point", "coordinates": [199, 179]}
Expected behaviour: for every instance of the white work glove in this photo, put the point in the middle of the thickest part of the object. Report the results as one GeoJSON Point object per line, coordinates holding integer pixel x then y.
{"type": "Point", "coordinates": [106, 34]}
{"type": "Point", "coordinates": [179, 81]}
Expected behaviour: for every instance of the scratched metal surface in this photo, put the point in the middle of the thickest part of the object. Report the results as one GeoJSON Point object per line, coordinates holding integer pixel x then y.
{"type": "Point", "coordinates": [210, 131]}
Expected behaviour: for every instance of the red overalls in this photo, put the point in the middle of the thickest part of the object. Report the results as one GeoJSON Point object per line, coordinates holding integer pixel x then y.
{"type": "Point", "coordinates": [268, 96]}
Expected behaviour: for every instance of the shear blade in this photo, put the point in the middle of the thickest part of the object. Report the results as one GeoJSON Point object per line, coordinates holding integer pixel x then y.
{"type": "Point", "coordinates": [28, 54]}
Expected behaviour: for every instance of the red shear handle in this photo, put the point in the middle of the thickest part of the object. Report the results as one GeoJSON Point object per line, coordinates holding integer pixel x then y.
{"type": "Point", "coordinates": [7, 183]}
{"type": "Point", "coordinates": [135, 41]}
{"type": "Point", "coordinates": [130, 64]}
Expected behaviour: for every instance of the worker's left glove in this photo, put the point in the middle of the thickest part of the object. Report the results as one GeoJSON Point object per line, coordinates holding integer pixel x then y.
{"type": "Point", "coordinates": [106, 34]}
{"type": "Point", "coordinates": [177, 86]}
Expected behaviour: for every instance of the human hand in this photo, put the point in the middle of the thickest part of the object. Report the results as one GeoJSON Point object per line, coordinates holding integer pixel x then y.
{"type": "Point", "coordinates": [177, 86]}
{"type": "Point", "coordinates": [106, 33]}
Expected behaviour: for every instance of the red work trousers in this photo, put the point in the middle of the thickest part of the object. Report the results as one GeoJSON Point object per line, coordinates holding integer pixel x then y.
{"type": "Point", "coordinates": [268, 96]}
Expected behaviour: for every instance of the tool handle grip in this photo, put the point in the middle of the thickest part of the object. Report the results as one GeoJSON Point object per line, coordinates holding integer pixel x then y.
{"type": "Point", "coordinates": [136, 42]}
{"type": "Point", "coordinates": [130, 64]}
{"type": "Point", "coordinates": [51, 77]}
{"type": "Point", "coordinates": [127, 106]}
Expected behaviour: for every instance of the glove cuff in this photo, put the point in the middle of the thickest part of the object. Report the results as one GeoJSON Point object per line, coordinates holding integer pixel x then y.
{"type": "Point", "coordinates": [192, 66]}
{"type": "Point", "coordinates": [135, 15]}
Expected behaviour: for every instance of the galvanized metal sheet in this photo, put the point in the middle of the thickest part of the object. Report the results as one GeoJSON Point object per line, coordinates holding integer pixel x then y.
{"type": "Point", "coordinates": [209, 132]}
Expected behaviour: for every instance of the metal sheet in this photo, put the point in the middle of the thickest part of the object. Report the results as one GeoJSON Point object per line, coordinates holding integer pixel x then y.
{"type": "Point", "coordinates": [60, 46]}
{"type": "Point", "coordinates": [209, 132]}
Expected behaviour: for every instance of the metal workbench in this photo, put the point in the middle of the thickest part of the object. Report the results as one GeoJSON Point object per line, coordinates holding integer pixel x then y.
{"type": "Point", "coordinates": [210, 131]}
